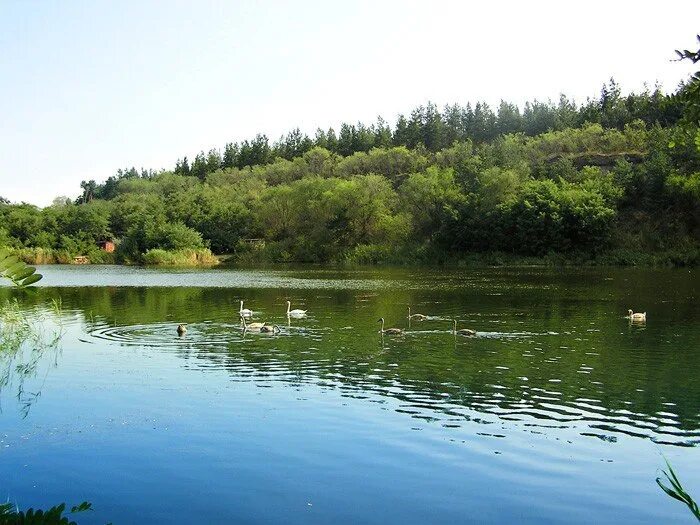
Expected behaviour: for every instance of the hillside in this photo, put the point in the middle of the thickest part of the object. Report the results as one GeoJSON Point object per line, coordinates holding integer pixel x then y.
{"type": "Point", "coordinates": [614, 180]}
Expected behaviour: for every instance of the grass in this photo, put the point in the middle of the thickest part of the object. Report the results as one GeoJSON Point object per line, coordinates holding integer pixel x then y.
{"type": "Point", "coordinates": [672, 486]}
{"type": "Point", "coordinates": [188, 257]}
{"type": "Point", "coordinates": [51, 256]}
{"type": "Point", "coordinates": [22, 345]}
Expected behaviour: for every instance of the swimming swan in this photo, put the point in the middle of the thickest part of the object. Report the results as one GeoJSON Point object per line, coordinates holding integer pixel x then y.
{"type": "Point", "coordinates": [462, 331]}
{"type": "Point", "coordinates": [416, 317]}
{"type": "Point", "coordinates": [636, 316]}
{"type": "Point", "coordinates": [390, 331]}
{"type": "Point", "coordinates": [251, 326]}
{"type": "Point", "coordinates": [292, 313]}
{"type": "Point", "coordinates": [245, 312]}
{"type": "Point", "coordinates": [260, 327]}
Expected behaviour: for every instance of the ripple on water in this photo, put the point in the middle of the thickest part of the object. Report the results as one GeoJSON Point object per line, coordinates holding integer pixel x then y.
{"type": "Point", "coordinates": [514, 403]}
{"type": "Point", "coordinates": [207, 335]}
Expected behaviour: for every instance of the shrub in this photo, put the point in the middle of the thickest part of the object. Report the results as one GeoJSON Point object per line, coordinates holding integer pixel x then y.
{"type": "Point", "coordinates": [187, 257]}
{"type": "Point", "coordinates": [370, 254]}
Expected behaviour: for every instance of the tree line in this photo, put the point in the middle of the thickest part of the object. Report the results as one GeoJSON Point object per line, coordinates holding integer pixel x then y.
{"type": "Point", "coordinates": [428, 127]}
{"type": "Point", "coordinates": [613, 180]}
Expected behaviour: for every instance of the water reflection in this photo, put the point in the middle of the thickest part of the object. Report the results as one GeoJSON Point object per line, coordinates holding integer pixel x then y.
{"type": "Point", "coordinates": [550, 352]}
{"type": "Point", "coordinates": [29, 338]}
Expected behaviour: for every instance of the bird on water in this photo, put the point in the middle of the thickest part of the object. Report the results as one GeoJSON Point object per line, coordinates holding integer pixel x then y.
{"type": "Point", "coordinates": [244, 311]}
{"type": "Point", "coordinates": [296, 312]}
{"type": "Point", "coordinates": [389, 331]}
{"type": "Point", "coordinates": [462, 331]}
{"type": "Point", "coordinates": [632, 316]}
{"type": "Point", "coordinates": [416, 317]}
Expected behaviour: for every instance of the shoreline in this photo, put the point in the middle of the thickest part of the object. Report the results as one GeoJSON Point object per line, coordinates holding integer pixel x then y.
{"type": "Point", "coordinates": [643, 261]}
{"type": "Point", "coordinates": [683, 257]}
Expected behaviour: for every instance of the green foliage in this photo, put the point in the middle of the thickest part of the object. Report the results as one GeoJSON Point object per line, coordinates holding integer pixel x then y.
{"type": "Point", "coordinates": [688, 98]}
{"type": "Point", "coordinates": [433, 199]}
{"type": "Point", "coordinates": [173, 236]}
{"type": "Point", "coordinates": [9, 515]}
{"type": "Point", "coordinates": [371, 254]}
{"type": "Point", "coordinates": [676, 490]}
{"type": "Point", "coordinates": [553, 180]}
{"type": "Point", "coordinates": [690, 94]}
{"type": "Point", "coordinates": [182, 257]}
{"type": "Point", "coordinates": [20, 273]}
{"type": "Point", "coordinates": [687, 186]}
{"type": "Point", "coordinates": [560, 217]}
{"type": "Point", "coordinates": [317, 219]}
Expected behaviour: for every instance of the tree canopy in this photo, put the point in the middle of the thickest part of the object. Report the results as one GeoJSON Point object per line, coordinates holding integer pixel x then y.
{"type": "Point", "coordinates": [609, 179]}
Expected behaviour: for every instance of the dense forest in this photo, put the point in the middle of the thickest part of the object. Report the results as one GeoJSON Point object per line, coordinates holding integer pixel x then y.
{"type": "Point", "coordinates": [614, 180]}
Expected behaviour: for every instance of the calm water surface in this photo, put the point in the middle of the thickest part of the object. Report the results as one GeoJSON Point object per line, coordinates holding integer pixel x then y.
{"type": "Point", "coordinates": [558, 411]}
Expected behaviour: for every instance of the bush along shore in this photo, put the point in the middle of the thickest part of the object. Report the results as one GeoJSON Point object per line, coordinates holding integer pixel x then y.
{"type": "Point", "coordinates": [189, 257]}
{"type": "Point", "coordinates": [613, 181]}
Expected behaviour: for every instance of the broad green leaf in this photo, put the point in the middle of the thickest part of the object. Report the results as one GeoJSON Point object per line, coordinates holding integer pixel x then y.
{"type": "Point", "coordinates": [26, 272]}
{"type": "Point", "coordinates": [7, 262]}
{"type": "Point", "coordinates": [15, 269]}
{"type": "Point", "coordinates": [32, 279]}
{"type": "Point", "coordinates": [82, 507]}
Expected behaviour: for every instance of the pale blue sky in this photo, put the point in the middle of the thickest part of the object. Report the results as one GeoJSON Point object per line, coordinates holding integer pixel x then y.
{"type": "Point", "coordinates": [89, 87]}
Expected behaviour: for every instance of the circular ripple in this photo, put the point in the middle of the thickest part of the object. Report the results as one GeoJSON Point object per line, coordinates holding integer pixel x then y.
{"type": "Point", "coordinates": [164, 335]}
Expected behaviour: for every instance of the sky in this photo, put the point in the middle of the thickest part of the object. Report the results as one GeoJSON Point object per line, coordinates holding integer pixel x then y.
{"type": "Point", "coordinates": [88, 87]}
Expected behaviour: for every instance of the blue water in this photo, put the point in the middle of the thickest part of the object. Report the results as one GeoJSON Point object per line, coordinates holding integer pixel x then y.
{"type": "Point", "coordinates": [557, 412]}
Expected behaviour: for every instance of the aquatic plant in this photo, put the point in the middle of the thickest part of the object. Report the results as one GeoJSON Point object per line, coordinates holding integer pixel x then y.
{"type": "Point", "coordinates": [16, 329]}
{"type": "Point", "coordinates": [676, 490]}
{"type": "Point", "coordinates": [10, 515]}
{"type": "Point", "coordinates": [23, 343]}
{"type": "Point", "coordinates": [20, 273]}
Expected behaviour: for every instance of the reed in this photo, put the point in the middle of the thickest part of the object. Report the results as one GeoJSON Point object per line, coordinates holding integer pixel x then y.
{"type": "Point", "coordinates": [676, 490]}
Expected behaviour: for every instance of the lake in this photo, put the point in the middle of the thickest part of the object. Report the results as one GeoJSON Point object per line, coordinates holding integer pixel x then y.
{"type": "Point", "coordinates": [557, 411]}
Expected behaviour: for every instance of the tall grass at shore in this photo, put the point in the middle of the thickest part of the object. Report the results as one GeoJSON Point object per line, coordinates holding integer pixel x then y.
{"type": "Point", "coordinates": [187, 257]}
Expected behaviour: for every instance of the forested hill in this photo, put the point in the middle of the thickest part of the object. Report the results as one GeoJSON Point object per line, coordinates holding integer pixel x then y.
{"type": "Point", "coordinates": [615, 180]}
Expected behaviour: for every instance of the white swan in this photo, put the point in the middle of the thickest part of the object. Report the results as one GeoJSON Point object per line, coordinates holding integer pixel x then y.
{"type": "Point", "coordinates": [462, 331]}
{"type": "Point", "coordinates": [294, 313]}
{"type": "Point", "coordinates": [390, 331]}
{"type": "Point", "coordinates": [245, 312]}
{"type": "Point", "coordinates": [632, 316]}
{"type": "Point", "coordinates": [416, 317]}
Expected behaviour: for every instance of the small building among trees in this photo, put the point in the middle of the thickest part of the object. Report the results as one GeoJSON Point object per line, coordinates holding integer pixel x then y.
{"type": "Point", "coordinates": [107, 245]}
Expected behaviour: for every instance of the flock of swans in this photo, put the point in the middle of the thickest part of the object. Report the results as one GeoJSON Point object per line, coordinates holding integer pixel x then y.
{"type": "Point", "coordinates": [246, 314]}
{"type": "Point", "coordinates": [264, 327]}
{"type": "Point", "coordinates": [422, 317]}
